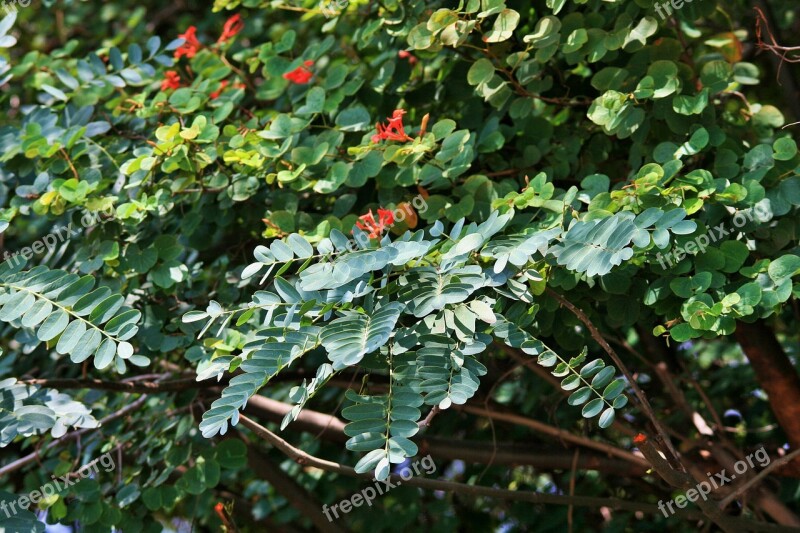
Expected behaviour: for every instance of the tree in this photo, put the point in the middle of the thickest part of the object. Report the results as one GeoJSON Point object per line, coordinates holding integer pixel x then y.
{"type": "Point", "coordinates": [497, 253]}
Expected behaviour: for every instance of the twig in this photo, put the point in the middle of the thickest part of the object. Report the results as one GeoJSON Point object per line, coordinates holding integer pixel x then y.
{"type": "Point", "coordinates": [428, 419]}
{"type": "Point", "coordinates": [572, 478]}
{"type": "Point", "coordinates": [758, 477]}
{"type": "Point", "coordinates": [30, 458]}
{"type": "Point", "coordinates": [69, 162]}
{"type": "Point", "coordinates": [121, 386]}
{"type": "Point", "coordinates": [553, 432]}
{"type": "Point", "coordinates": [449, 449]}
{"type": "Point", "coordinates": [780, 51]}
{"type": "Point", "coordinates": [305, 459]}
{"type": "Point", "coordinates": [648, 410]}
{"type": "Point", "coordinates": [683, 481]}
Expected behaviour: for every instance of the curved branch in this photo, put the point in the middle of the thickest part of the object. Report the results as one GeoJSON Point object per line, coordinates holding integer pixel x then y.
{"type": "Point", "coordinates": [332, 429]}
{"type": "Point", "coordinates": [598, 337]}
{"type": "Point", "coordinates": [305, 459]}
{"type": "Point", "coordinates": [32, 457]}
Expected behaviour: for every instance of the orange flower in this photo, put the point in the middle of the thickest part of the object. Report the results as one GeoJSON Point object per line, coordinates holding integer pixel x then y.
{"type": "Point", "coordinates": [172, 80]}
{"type": "Point", "coordinates": [375, 228]}
{"type": "Point", "coordinates": [394, 131]}
{"type": "Point", "coordinates": [405, 54]}
{"type": "Point", "coordinates": [301, 75]}
{"type": "Point", "coordinates": [191, 46]}
{"type": "Point", "coordinates": [232, 26]}
{"type": "Point", "coordinates": [222, 85]}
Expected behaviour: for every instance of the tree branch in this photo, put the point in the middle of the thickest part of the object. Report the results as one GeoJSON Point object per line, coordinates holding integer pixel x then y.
{"type": "Point", "coordinates": [776, 375]}
{"type": "Point", "coordinates": [684, 481]}
{"type": "Point", "coordinates": [73, 435]}
{"type": "Point", "coordinates": [305, 459]}
{"type": "Point", "coordinates": [331, 428]}
{"type": "Point", "coordinates": [297, 496]}
{"type": "Point", "coordinates": [598, 337]}
{"type": "Point", "coordinates": [758, 477]}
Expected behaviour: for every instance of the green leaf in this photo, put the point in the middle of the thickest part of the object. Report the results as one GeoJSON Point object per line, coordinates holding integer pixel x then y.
{"type": "Point", "coordinates": [785, 149]}
{"type": "Point", "coordinates": [353, 119]}
{"type": "Point", "coordinates": [607, 418]}
{"type": "Point", "coordinates": [350, 338]}
{"type": "Point", "coordinates": [71, 336]}
{"type": "Point", "coordinates": [784, 268]}
{"type": "Point", "coordinates": [580, 396]}
{"type": "Point", "coordinates": [105, 354]}
{"type": "Point", "coordinates": [614, 389]}
{"type": "Point", "coordinates": [592, 408]}
{"type": "Point", "coordinates": [503, 27]}
{"type": "Point", "coordinates": [480, 72]}
{"type": "Point", "coordinates": [53, 326]}
{"type": "Point", "coordinates": [603, 377]}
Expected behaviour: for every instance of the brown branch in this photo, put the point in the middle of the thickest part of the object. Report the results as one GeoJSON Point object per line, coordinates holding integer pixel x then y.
{"type": "Point", "coordinates": [762, 24]}
{"type": "Point", "coordinates": [332, 429]}
{"type": "Point", "coordinates": [785, 77]}
{"type": "Point", "coordinates": [137, 384]}
{"type": "Point", "coordinates": [69, 162]}
{"type": "Point", "coordinates": [553, 432]}
{"type": "Point", "coordinates": [428, 419]}
{"type": "Point", "coordinates": [758, 477]}
{"type": "Point", "coordinates": [74, 435]}
{"type": "Point", "coordinates": [776, 375]}
{"type": "Point", "coordinates": [305, 459]}
{"type": "Point", "coordinates": [120, 386]}
{"type": "Point", "coordinates": [645, 404]}
{"type": "Point", "coordinates": [297, 496]}
{"type": "Point", "coordinates": [683, 481]}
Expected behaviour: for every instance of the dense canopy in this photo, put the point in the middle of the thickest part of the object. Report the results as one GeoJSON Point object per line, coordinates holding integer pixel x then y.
{"type": "Point", "coordinates": [476, 265]}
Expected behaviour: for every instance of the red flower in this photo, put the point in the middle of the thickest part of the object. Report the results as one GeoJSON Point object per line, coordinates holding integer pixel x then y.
{"type": "Point", "coordinates": [301, 75]}
{"type": "Point", "coordinates": [191, 46]}
{"type": "Point", "coordinates": [640, 438]}
{"type": "Point", "coordinates": [394, 131]}
{"type": "Point", "coordinates": [232, 26]}
{"type": "Point", "coordinates": [405, 54]}
{"type": "Point", "coordinates": [375, 228]}
{"type": "Point", "coordinates": [172, 80]}
{"type": "Point", "coordinates": [222, 85]}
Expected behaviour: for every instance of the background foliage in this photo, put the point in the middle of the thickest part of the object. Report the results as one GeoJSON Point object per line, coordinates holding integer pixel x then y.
{"type": "Point", "coordinates": [550, 154]}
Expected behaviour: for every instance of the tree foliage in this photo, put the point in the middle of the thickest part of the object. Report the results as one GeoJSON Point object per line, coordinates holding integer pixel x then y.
{"type": "Point", "coordinates": [576, 200]}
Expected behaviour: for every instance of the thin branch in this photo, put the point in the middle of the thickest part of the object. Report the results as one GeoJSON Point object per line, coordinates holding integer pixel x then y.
{"type": "Point", "coordinates": [332, 429]}
{"type": "Point", "coordinates": [305, 459]}
{"type": "Point", "coordinates": [121, 386]}
{"type": "Point", "coordinates": [684, 481]}
{"type": "Point", "coordinates": [297, 496]}
{"type": "Point", "coordinates": [428, 419]}
{"type": "Point", "coordinates": [597, 336]}
{"type": "Point", "coordinates": [33, 457]}
{"type": "Point", "coordinates": [554, 432]}
{"type": "Point", "coordinates": [758, 477]}
{"type": "Point", "coordinates": [781, 51]}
